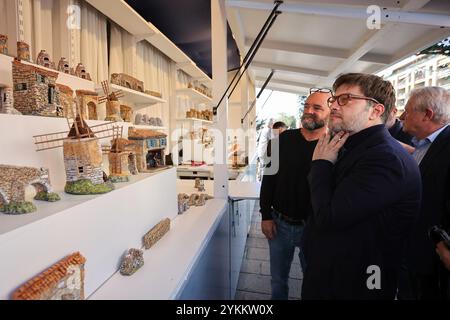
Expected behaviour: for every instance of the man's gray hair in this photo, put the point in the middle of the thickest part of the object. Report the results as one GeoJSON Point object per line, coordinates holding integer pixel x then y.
{"type": "Point", "coordinates": [435, 98]}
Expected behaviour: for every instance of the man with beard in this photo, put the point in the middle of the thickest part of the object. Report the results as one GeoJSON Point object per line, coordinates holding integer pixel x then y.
{"type": "Point", "coordinates": [365, 194]}
{"type": "Point", "coordinates": [284, 197]}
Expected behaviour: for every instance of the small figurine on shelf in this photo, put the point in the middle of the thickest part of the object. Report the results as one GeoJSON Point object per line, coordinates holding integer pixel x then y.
{"type": "Point", "coordinates": [43, 59]}
{"type": "Point", "coordinates": [150, 148]}
{"type": "Point", "coordinates": [124, 80]}
{"type": "Point", "coordinates": [199, 184]}
{"type": "Point", "coordinates": [132, 262]}
{"type": "Point", "coordinates": [81, 72]}
{"type": "Point", "coordinates": [156, 233]}
{"type": "Point", "coordinates": [13, 183]}
{"type": "Point", "coordinates": [63, 66]}
{"type": "Point", "coordinates": [62, 281]}
{"type": "Point", "coordinates": [122, 159]}
{"type": "Point", "coordinates": [88, 102]}
{"type": "Point", "coordinates": [23, 51]}
{"type": "Point", "coordinates": [3, 44]}
{"type": "Point", "coordinates": [183, 204]}
{"type": "Point", "coordinates": [126, 113]}
{"type": "Point", "coordinates": [112, 102]}
{"type": "Point", "coordinates": [7, 101]}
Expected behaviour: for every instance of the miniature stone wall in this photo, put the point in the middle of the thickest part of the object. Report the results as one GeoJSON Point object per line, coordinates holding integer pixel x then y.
{"type": "Point", "coordinates": [156, 233]}
{"type": "Point", "coordinates": [83, 160]}
{"type": "Point", "coordinates": [66, 100]}
{"type": "Point", "coordinates": [127, 81]}
{"type": "Point", "coordinates": [118, 163]}
{"type": "Point", "coordinates": [88, 104]}
{"type": "Point", "coordinates": [14, 180]}
{"type": "Point", "coordinates": [7, 101]}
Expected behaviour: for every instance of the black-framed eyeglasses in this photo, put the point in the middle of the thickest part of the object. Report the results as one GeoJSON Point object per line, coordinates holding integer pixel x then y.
{"type": "Point", "coordinates": [322, 90]}
{"type": "Point", "coordinates": [345, 98]}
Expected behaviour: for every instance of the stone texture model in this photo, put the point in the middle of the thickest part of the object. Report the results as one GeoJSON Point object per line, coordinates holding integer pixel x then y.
{"type": "Point", "coordinates": [88, 102]}
{"type": "Point", "coordinates": [43, 59]}
{"type": "Point", "coordinates": [7, 101]}
{"type": "Point", "coordinates": [13, 182]}
{"type": "Point", "coordinates": [63, 66]}
{"type": "Point", "coordinates": [35, 91]}
{"type": "Point", "coordinates": [146, 121]}
{"type": "Point", "coordinates": [66, 100]}
{"type": "Point", "coordinates": [3, 44]}
{"type": "Point", "coordinates": [124, 80]}
{"type": "Point", "coordinates": [131, 262]}
{"type": "Point", "coordinates": [122, 160]}
{"type": "Point", "coordinates": [156, 233]}
{"type": "Point", "coordinates": [83, 161]}
{"type": "Point", "coordinates": [202, 115]}
{"type": "Point", "coordinates": [183, 203]}
{"type": "Point", "coordinates": [150, 148]}
{"type": "Point", "coordinates": [199, 184]}
{"type": "Point", "coordinates": [81, 72]}
{"type": "Point", "coordinates": [198, 200]}
{"type": "Point", "coordinates": [112, 102]}
{"type": "Point", "coordinates": [62, 281]}
{"type": "Point", "coordinates": [23, 51]}
{"type": "Point", "coordinates": [126, 113]}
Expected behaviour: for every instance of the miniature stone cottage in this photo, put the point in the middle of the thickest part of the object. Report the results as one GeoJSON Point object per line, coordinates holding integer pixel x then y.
{"type": "Point", "coordinates": [126, 113]}
{"type": "Point", "coordinates": [150, 148]}
{"type": "Point", "coordinates": [66, 100]}
{"type": "Point", "coordinates": [122, 160]}
{"type": "Point", "coordinates": [88, 102]}
{"type": "Point", "coordinates": [35, 91]}
{"type": "Point", "coordinates": [13, 183]}
{"type": "Point", "coordinates": [62, 281]}
{"type": "Point", "coordinates": [23, 51]}
{"type": "Point", "coordinates": [7, 101]}
{"type": "Point", "coordinates": [43, 59]}
{"type": "Point", "coordinates": [3, 44]}
{"type": "Point", "coordinates": [81, 72]}
{"type": "Point", "coordinates": [63, 66]}
{"type": "Point", "coordinates": [127, 81]}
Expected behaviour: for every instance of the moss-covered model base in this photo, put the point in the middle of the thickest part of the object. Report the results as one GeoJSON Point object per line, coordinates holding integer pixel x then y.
{"type": "Point", "coordinates": [18, 208]}
{"type": "Point", "coordinates": [85, 187]}
{"type": "Point", "coordinates": [118, 179]}
{"type": "Point", "coordinates": [47, 196]}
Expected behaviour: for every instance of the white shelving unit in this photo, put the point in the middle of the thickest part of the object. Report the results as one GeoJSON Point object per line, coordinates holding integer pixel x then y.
{"type": "Point", "coordinates": [139, 99]}
{"type": "Point", "coordinates": [195, 95]}
{"type": "Point", "coordinates": [206, 122]}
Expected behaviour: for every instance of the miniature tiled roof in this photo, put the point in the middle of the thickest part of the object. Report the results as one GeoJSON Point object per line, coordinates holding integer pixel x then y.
{"type": "Point", "coordinates": [33, 289]}
{"type": "Point", "coordinates": [64, 89]}
{"type": "Point", "coordinates": [141, 134]}
{"type": "Point", "coordinates": [86, 93]}
{"type": "Point", "coordinates": [83, 129]}
{"type": "Point", "coordinates": [36, 69]}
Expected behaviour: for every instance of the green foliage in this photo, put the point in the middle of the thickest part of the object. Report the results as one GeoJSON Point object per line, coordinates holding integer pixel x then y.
{"type": "Point", "coordinates": [290, 121]}
{"type": "Point", "coordinates": [85, 187]}
{"type": "Point", "coordinates": [18, 207]}
{"type": "Point", "coordinates": [442, 47]}
{"type": "Point", "coordinates": [118, 179]}
{"type": "Point", "coordinates": [45, 196]}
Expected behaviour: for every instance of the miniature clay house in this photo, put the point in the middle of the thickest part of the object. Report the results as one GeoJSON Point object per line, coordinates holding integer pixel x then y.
{"type": "Point", "coordinates": [150, 148]}
{"type": "Point", "coordinates": [23, 51]}
{"type": "Point", "coordinates": [3, 44]}
{"type": "Point", "coordinates": [127, 81]}
{"type": "Point", "coordinates": [112, 102]}
{"type": "Point", "coordinates": [122, 160]}
{"type": "Point", "coordinates": [126, 113]}
{"type": "Point", "coordinates": [64, 66]}
{"type": "Point", "coordinates": [81, 72]}
{"type": "Point", "coordinates": [88, 102]}
{"type": "Point", "coordinates": [43, 59]}
{"type": "Point", "coordinates": [7, 101]}
{"type": "Point", "coordinates": [35, 91]}
{"type": "Point", "coordinates": [62, 281]}
{"type": "Point", "coordinates": [66, 100]}
{"type": "Point", "coordinates": [13, 183]}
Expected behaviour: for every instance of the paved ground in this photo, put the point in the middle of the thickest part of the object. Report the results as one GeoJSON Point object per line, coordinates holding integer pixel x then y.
{"type": "Point", "coordinates": [254, 279]}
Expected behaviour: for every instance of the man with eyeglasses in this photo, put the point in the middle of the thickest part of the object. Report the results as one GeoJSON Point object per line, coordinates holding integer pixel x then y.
{"type": "Point", "coordinates": [365, 194]}
{"type": "Point", "coordinates": [284, 197]}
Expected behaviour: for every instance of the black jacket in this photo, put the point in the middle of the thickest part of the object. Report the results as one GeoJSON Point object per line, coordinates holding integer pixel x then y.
{"type": "Point", "coordinates": [363, 209]}
{"type": "Point", "coordinates": [435, 209]}
{"type": "Point", "coordinates": [397, 132]}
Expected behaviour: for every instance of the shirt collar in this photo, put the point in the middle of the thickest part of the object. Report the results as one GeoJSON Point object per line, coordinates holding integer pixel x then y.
{"type": "Point", "coordinates": [430, 138]}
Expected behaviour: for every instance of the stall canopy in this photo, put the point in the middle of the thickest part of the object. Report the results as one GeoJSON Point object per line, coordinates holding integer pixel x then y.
{"type": "Point", "coordinates": [313, 41]}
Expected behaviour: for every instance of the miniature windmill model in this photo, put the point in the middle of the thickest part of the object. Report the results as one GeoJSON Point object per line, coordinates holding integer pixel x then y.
{"type": "Point", "coordinates": [82, 153]}
{"type": "Point", "coordinates": [112, 102]}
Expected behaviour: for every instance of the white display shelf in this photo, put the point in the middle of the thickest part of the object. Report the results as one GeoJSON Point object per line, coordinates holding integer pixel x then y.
{"type": "Point", "coordinates": [142, 126]}
{"type": "Point", "coordinates": [139, 99]}
{"type": "Point", "coordinates": [100, 227]}
{"type": "Point", "coordinates": [196, 120]}
{"type": "Point", "coordinates": [169, 263]}
{"type": "Point", "coordinates": [194, 95]}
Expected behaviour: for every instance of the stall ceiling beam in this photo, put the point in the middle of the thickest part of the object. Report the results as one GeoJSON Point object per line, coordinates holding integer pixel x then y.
{"type": "Point", "coordinates": [351, 12]}
{"type": "Point", "coordinates": [286, 83]}
{"type": "Point", "coordinates": [285, 68]}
